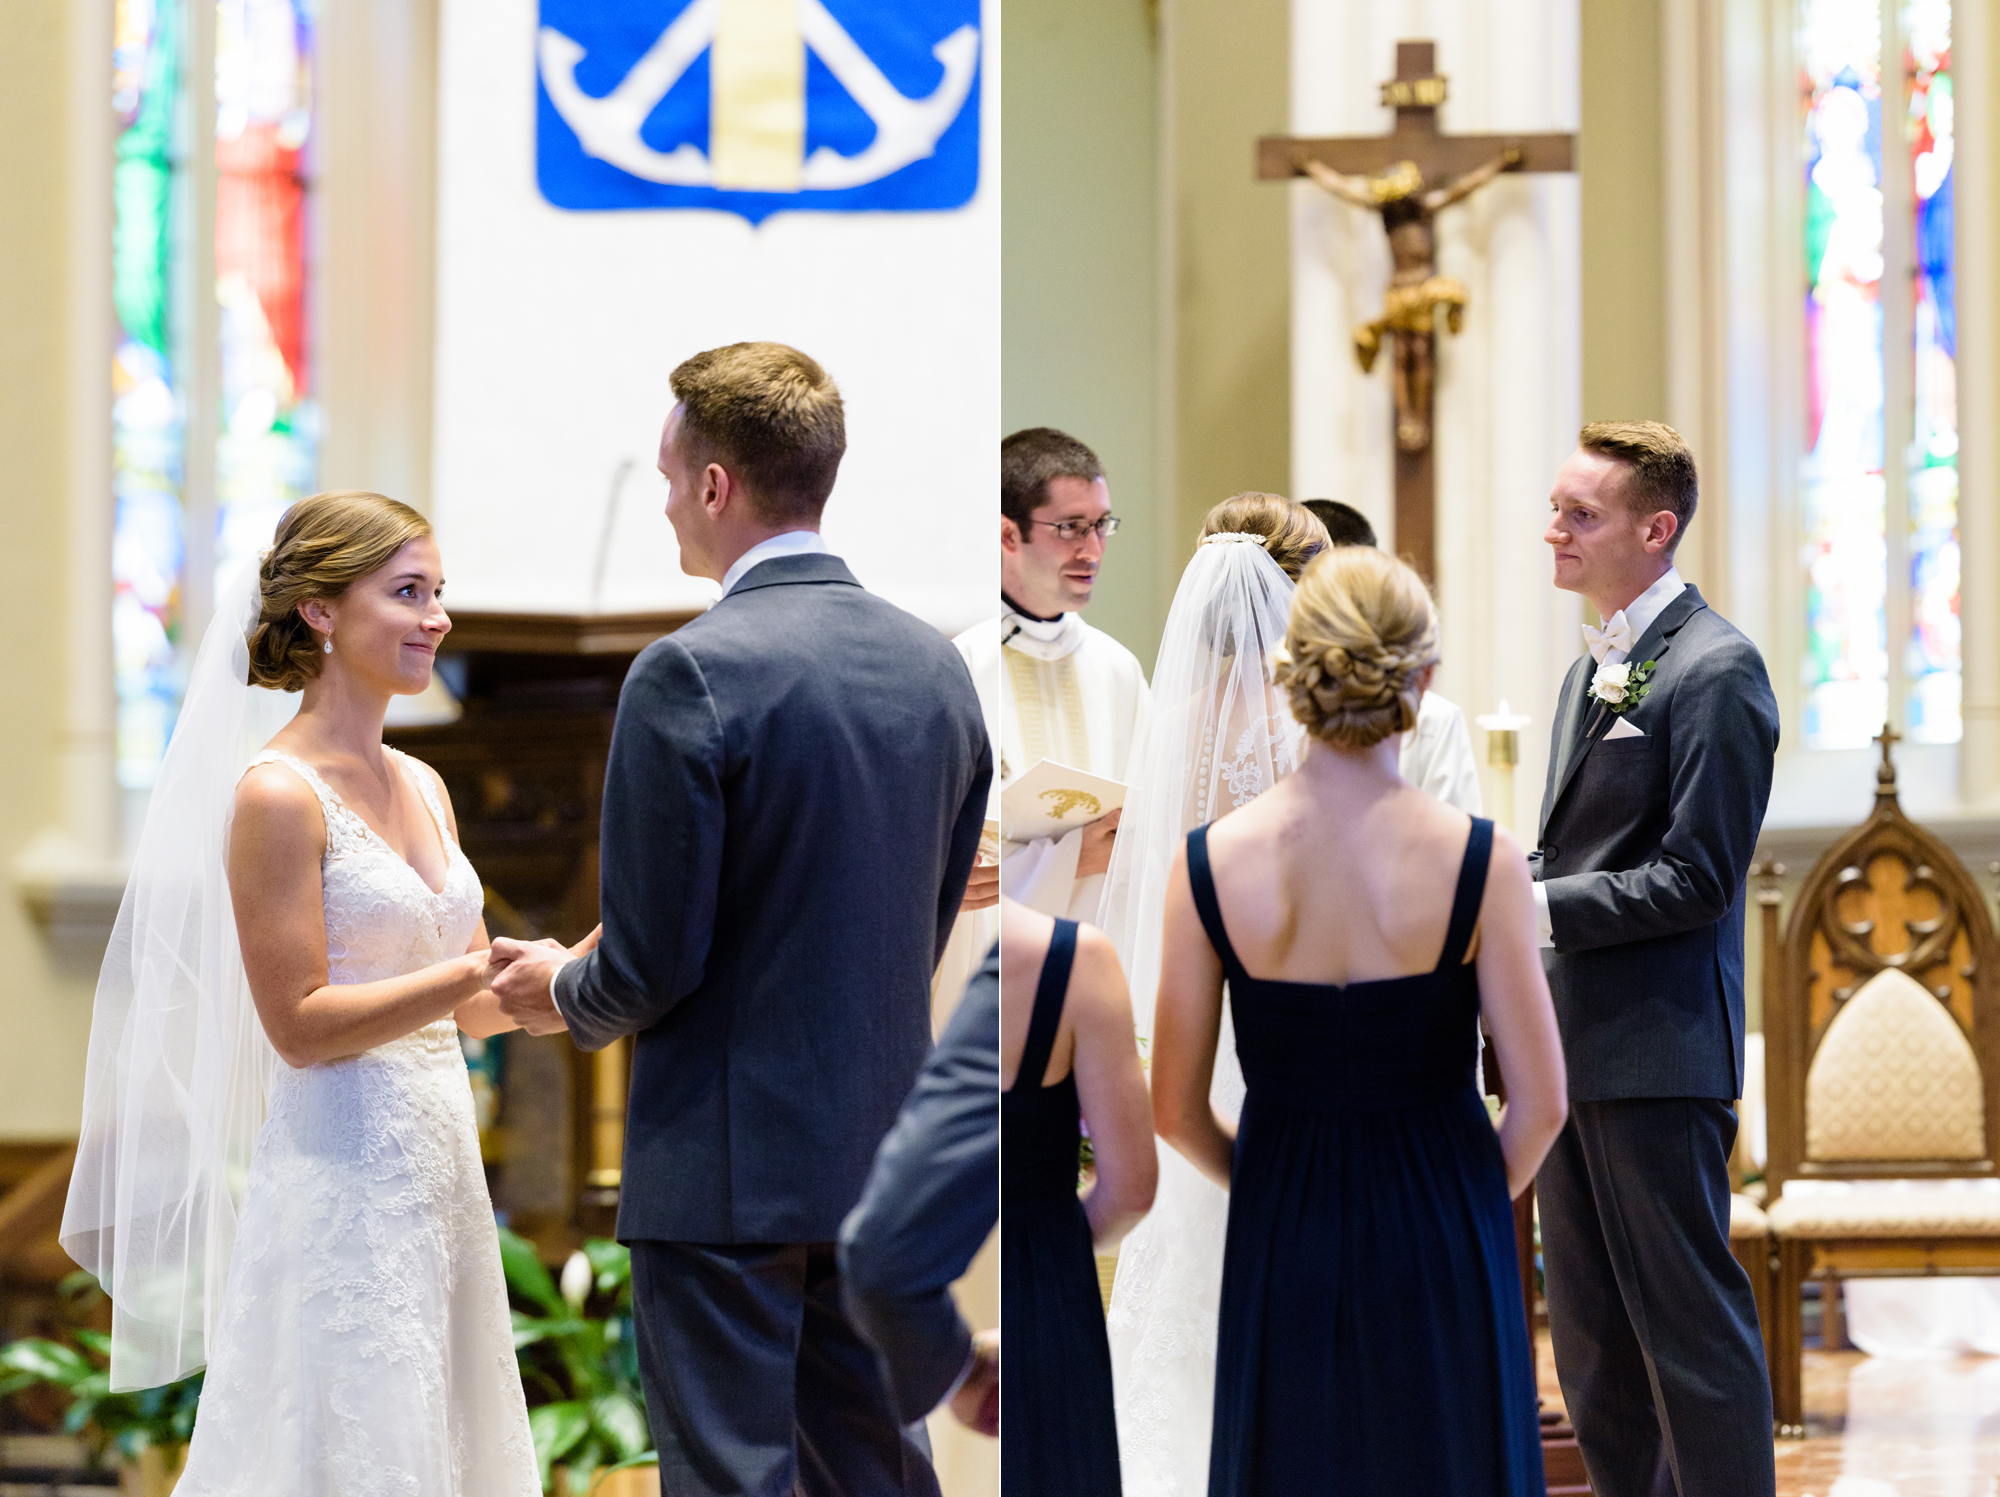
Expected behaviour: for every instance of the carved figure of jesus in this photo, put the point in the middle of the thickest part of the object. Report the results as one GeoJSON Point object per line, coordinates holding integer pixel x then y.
{"type": "Point", "coordinates": [1409, 206]}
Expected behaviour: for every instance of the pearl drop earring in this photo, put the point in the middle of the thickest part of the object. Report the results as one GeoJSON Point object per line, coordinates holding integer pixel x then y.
{"type": "Point", "coordinates": [328, 646]}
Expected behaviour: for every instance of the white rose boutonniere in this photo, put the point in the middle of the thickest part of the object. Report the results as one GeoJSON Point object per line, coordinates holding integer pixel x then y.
{"type": "Point", "coordinates": [1619, 686]}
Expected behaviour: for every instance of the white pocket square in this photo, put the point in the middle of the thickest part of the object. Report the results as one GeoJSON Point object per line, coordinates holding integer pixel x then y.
{"type": "Point", "coordinates": [1623, 728]}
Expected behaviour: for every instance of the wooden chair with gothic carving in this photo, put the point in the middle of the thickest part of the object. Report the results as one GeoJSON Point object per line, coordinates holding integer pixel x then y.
{"type": "Point", "coordinates": [1882, 1057]}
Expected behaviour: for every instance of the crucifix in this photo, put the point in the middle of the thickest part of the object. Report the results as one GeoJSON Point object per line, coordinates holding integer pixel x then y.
{"type": "Point", "coordinates": [1408, 176]}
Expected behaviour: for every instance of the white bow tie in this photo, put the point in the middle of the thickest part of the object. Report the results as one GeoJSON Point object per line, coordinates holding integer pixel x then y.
{"type": "Point", "coordinates": [1615, 635]}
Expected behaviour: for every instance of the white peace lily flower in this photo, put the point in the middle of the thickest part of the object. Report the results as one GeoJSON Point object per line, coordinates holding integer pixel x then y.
{"type": "Point", "coordinates": [577, 1277]}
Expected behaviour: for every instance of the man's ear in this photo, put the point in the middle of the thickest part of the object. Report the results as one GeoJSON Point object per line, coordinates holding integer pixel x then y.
{"type": "Point", "coordinates": [1661, 528]}
{"type": "Point", "coordinates": [1010, 534]}
{"type": "Point", "coordinates": [718, 488]}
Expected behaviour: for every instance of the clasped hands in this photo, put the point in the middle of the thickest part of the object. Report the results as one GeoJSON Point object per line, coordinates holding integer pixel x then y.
{"type": "Point", "coordinates": [520, 974]}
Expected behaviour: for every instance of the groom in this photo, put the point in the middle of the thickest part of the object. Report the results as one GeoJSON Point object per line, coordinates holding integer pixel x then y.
{"type": "Point", "coordinates": [1659, 773]}
{"type": "Point", "coordinates": [794, 798]}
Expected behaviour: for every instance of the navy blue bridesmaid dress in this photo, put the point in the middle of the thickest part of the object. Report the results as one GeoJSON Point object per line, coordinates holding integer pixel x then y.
{"type": "Point", "coordinates": [1371, 1337]}
{"type": "Point", "coordinates": [1058, 1435]}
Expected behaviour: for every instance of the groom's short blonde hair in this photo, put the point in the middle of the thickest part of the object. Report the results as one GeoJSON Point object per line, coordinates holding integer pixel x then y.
{"type": "Point", "coordinates": [1660, 472]}
{"type": "Point", "coordinates": [772, 417]}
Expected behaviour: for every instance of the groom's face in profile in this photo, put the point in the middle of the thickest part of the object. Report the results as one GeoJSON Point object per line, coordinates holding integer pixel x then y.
{"type": "Point", "coordinates": [1603, 548]}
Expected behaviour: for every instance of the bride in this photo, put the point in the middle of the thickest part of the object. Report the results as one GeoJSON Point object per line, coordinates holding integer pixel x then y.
{"type": "Point", "coordinates": [1222, 734]}
{"type": "Point", "coordinates": [279, 1171]}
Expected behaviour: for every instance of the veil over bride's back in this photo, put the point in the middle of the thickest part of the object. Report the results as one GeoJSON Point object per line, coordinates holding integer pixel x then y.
{"type": "Point", "coordinates": [1221, 735]}
{"type": "Point", "coordinates": [179, 1066]}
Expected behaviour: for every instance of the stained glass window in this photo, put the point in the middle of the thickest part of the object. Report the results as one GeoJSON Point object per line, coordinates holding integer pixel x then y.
{"type": "Point", "coordinates": [258, 378]}
{"type": "Point", "coordinates": [1846, 665]}
{"type": "Point", "coordinates": [1852, 481]}
{"type": "Point", "coordinates": [147, 400]}
{"type": "Point", "coordinates": [1932, 658]}
{"type": "Point", "coordinates": [265, 456]}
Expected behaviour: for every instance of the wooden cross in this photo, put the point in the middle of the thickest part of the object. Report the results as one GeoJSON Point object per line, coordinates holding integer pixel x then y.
{"type": "Point", "coordinates": [1446, 168]}
{"type": "Point", "coordinates": [1885, 772]}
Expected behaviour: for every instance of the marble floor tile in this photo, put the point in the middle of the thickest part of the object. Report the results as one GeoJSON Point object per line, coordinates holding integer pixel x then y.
{"type": "Point", "coordinates": [1879, 1428]}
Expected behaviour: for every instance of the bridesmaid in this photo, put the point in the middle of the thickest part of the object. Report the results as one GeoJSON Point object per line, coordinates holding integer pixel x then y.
{"type": "Point", "coordinates": [1371, 1339]}
{"type": "Point", "coordinates": [1066, 1048]}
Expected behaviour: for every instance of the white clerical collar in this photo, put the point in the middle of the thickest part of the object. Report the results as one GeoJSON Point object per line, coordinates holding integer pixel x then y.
{"type": "Point", "coordinates": [790, 543]}
{"type": "Point", "coordinates": [1650, 604]}
{"type": "Point", "coordinates": [1040, 639]}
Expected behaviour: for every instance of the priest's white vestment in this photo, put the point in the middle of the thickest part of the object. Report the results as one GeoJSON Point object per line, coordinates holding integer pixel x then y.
{"type": "Point", "coordinates": [1436, 755]}
{"type": "Point", "coordinates": [1067, 692]}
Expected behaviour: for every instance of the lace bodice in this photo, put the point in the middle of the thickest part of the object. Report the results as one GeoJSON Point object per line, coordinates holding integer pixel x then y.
{"type": "Point", "coordinates": [365, 1349]}
{"type": "Point", "coordinates": [382, 919]}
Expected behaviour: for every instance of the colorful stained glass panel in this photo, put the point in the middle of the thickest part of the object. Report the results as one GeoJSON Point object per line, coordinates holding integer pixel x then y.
{"type": "Point", "coordinates": [267, 453]}
{"type": "Point", "coordinates": [1931, 659]}
{"type": "Point", "coordinates": [1846, 664]}
{"type": "Point", "coordinates": [148, 404]}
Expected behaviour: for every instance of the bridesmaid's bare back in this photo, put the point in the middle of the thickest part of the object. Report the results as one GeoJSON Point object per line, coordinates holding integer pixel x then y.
{"type": "Point", "coordinates": [1338, 875]}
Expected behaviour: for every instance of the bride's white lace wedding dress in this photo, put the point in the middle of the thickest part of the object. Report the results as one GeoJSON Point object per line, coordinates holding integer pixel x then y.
{"type": "Point", "coordinates": [364, 1348]}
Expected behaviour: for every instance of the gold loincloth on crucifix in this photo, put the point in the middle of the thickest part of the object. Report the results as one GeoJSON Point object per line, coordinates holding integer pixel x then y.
{"type": "Point", "coordinates": [1411, 309]}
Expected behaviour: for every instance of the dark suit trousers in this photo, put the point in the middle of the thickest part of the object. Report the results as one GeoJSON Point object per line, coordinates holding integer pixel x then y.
{"type": "Point", "coordinates": [757, 1385]}
{"type": "Point", "coordinates": [1655, 1330]}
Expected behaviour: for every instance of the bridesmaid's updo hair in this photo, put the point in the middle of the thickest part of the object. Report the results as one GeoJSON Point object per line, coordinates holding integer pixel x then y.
{"type": "Point", "coordinates": [324, 545]}
{"type": "Point", "coordinates": [1293, 534]}
{"type": "Point", "coordinates": [1362, 631]}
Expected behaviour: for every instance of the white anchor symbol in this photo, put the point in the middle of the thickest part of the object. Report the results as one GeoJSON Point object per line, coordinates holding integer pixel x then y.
{"type": "Point", "coordinates": [906, 129]}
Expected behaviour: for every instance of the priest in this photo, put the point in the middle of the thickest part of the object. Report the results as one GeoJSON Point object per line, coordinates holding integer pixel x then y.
{"type": "Point", "coordinates": [1054, 687]}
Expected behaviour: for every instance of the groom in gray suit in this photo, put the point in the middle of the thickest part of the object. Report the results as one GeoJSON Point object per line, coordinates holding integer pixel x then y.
{"type": "Point", "coordinates": [794, 798]}
{"type": "Point", "coordinates": [1659, 772]}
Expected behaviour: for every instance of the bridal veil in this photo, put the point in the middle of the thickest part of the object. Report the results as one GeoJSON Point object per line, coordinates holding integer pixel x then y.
{"type": "Point", "coordinates": [179, 1066]}
{"type": "Point", "coordinates": [1221, 734]}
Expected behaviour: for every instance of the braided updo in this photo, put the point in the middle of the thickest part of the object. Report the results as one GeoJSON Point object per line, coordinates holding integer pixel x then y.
{"type": "Point", "coordinates": [324, 545]}
{"type": "Point", "coordinates": [1362, 632]}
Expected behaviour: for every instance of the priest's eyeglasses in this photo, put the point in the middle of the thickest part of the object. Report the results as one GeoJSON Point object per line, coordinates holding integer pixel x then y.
{"type": "Point", "coordinates": [1073, 531]}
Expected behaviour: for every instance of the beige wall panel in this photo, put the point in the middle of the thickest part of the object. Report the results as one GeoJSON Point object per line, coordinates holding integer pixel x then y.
{"type": "Point", "coordinates": [44, 996]}
{"type": "Point", "coordinates": [1080, 344]}
{"type": "Point", "coordinates": [1624, 238]}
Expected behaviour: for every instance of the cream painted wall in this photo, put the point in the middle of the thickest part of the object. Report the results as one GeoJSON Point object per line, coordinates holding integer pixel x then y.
{"type": "Point", "coordinates": [1080, 342]}
{"type": "Point", "coordinates": [1144, 294]}
{"type": "Point", "coordinates": [1622, 160]}
{"type": "Point", "coordinates": [1228, 71]}
{"type": "Point", "coordinates": [45, 994]}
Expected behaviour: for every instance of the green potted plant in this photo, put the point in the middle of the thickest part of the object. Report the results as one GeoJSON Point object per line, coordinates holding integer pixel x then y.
{"type": "Point", "coordinates": [145, 1432]}
{"type": "Point", "coordinates": [580, 1369]}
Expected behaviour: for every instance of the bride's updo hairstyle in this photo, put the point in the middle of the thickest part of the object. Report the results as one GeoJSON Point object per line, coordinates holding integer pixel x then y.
{"type": "Point", "coordinates": [1362, 631]}
{"type": "Point", "coordinates": [324, 545]}
{"type": "Point", "coordinates": [1291, 533]}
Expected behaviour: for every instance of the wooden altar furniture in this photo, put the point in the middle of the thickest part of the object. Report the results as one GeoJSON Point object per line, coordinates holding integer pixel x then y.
{"type": "Point", "coordinates": [1882, 1053]}
{"type": "Point", "coordinates": [525, 769]}
{"type": "Point", "coordinates": [1750, 1245]}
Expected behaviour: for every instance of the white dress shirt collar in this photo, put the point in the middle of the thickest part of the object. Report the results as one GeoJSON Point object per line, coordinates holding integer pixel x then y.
{"type": "Point", "coordinates": [1645, 608]}
{"type": "Point", "coordinates": [1650, 604]}
{"type": "Point", "coordinates": [790, 543]}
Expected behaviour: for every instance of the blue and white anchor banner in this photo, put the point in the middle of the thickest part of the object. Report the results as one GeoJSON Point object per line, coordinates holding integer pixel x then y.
{"type": "Point", "coordinates": [625, 182]}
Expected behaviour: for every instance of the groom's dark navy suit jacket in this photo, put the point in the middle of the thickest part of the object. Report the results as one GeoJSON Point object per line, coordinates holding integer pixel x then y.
{"type": "Point", "coordinates": [1645, 851]}
{"type": "Point", "coordinates": [794, 798]}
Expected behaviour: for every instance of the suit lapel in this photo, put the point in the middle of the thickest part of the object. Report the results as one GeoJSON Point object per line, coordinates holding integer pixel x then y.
{"type": "Point", "coordinates": [1569, 726]}
{"type": "Point", "coordinates": [1651, 645]}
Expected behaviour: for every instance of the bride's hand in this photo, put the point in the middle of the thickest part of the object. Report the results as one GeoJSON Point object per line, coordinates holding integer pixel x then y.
{"type": "Point", "coordinates": [588, 944]}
